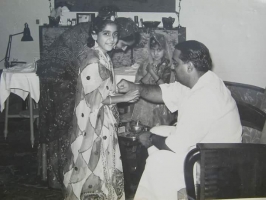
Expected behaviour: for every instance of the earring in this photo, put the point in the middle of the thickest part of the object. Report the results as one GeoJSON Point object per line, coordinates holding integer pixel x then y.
{"type": "Point", "coordinates": [114, 47]}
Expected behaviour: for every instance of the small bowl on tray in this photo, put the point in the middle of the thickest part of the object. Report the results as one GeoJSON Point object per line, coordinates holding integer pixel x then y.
{"type": "Point", "coordinates": [136, 126]}
{"type": "Point", "coordinates": [132, 129]}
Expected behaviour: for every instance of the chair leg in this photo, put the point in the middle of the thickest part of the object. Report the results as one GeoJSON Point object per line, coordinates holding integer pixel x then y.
{"type": "Point", "coordinates": [6, 118]}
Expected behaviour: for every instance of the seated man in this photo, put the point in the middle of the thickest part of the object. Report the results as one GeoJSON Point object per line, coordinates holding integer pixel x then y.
{"type": "Point", "coordinates": [206, 113]}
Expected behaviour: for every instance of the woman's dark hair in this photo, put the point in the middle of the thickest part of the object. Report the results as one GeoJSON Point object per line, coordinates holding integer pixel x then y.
{"type": "Point", "coordinates": [97, 25]}
{"type": "Point", "coordinates": [197, 53]}
{"type": "Point", "coordinates": [154, 43]}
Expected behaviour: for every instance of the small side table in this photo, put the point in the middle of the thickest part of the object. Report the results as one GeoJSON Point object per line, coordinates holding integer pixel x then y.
{"type": "Point", "coordinates": [133, 156]}
{"type": "Point", "coordinates": [23, 85]}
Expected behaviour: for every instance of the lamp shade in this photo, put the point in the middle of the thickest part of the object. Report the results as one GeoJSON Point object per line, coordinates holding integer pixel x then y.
{"type": "Point", "coordinates": [26, 34]}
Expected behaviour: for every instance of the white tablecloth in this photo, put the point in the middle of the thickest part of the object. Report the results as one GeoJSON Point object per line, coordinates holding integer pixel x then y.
{"type": "Point", "coordinates": [20, 84]}
{"type": "Point", "coordinates": [23, 83]}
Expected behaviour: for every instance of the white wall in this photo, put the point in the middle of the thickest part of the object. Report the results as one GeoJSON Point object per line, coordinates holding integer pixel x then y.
{"type": "Point", "coordinates": [235, 33]}
{"type": "Point", "coordinates": [13, 15]}
{"type": "Point", "coordinates": [233, 30]}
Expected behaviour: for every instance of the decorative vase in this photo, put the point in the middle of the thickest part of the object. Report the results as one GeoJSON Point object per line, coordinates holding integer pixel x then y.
{"type": "Point", "coordinates": [168, 22]}
{"type": "Point", "coordinates": [53, 21]}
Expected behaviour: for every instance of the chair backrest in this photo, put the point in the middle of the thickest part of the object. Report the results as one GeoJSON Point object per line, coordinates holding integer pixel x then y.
{"type": "Point", "coordinates": [251, 116]}
{"type": "Point", "coordinates": [227, 171]}
{"type": "Point", "coordinates": [250, 94]}
{"type": "Point", "coordinates": [263, 107]}
{"type": "Point", "coordinates": [252, 120]}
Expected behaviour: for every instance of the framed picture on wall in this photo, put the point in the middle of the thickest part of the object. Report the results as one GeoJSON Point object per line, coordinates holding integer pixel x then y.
{"type": "Point", "coordinates": [122, 5]}
{"type": "Point", "coordinates": [85, 17]}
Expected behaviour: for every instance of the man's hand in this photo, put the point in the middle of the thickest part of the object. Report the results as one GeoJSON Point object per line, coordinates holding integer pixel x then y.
{"type": "Point", "coordinates": [151, 93]}
{"type": "Point", "coordinates": [157, 141]}
{"type": "Point", "coordinates": [124, 86]}
{"type": "Point", "coordinates": [144, 139]}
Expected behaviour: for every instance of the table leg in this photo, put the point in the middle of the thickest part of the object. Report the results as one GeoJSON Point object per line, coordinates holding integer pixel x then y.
{"type": "Point", "coordinates": [44, 163]}
{"type": "Point", "coordinates": [39, 158]}
{"type": "Point", "coordinates": [6, 118]}
{"type": "Point", "coordinates": [37, 120]}
{"type": "Point", "coordinates": [31, 121]}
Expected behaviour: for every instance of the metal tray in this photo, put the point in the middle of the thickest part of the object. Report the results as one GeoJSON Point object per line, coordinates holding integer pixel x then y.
{"type": "Point", "coordinates": [128, 136]}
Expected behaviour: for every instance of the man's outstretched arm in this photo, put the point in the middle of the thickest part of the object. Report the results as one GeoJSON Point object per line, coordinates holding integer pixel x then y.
{"type": "Point", "coordinates": [152, 93]}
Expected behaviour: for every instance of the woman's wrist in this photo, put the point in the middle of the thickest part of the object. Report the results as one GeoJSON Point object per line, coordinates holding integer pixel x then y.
{"type": "Point", "coordinates": [157, 80]}
{"type": "Point", "coordinates": [153, 74]}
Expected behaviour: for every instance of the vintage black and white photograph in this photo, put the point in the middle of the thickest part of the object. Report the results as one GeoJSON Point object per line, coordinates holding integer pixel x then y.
{"type": "Point", "coordinates": [132, 100]}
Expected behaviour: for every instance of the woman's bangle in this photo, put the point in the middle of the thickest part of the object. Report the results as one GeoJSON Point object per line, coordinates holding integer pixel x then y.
{"type": "Point", "coordinates": [157, 80]}
{"type": "Point", "coordinates": [110, 100]}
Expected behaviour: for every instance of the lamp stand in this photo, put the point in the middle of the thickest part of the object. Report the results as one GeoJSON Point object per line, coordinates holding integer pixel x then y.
{"type": "Point", "coordinates": [26, 37]}
{"type": "Point", "coordinates": [8, 49]}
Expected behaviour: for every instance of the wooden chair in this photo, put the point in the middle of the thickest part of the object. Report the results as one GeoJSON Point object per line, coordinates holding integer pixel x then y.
{"type": "Point", "coordinates": [227, 171]}
{"type": "Point", "coordinates": [220, 163]}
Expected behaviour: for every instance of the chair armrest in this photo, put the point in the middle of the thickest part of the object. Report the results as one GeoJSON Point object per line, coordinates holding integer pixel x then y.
{"type": "Point", "coordinates": [192, 157]}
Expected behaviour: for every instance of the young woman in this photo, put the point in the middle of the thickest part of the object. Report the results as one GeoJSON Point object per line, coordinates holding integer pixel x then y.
{"type": "Point", "coordinates": [58, 71]}
{"type": "Point", "coordinates": [94, 168]}
{"type": "Point", "coordinates": [155, 70]}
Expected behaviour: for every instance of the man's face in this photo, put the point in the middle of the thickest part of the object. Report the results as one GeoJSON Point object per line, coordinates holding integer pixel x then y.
{"type": "Point", "coordinates": [121, 44]}
{"type": "Point", "coordinates": [180, 68]}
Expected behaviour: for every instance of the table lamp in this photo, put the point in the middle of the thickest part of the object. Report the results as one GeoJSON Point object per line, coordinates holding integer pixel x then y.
{"type": "Point", "coordinates": [25, 38]}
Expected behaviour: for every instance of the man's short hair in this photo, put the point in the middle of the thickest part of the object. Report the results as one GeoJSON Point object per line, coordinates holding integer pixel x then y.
{"type": "Point", "coordinates": [197, 53]}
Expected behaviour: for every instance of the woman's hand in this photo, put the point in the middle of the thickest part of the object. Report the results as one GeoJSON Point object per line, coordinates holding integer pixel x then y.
{"type": "Point", "coordinates": [144, 139]}
{"type": "Point", "coordinates": [132, 96]}
{"type": "Point", "coordinates": [149, 69]}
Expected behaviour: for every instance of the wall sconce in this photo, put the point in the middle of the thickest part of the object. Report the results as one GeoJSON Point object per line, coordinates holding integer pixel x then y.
{"type": "Point", "coordinates": [25, 38]}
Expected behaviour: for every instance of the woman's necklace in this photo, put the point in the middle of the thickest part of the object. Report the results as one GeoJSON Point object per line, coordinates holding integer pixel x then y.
{"type": "Point", "coordinates": [105, 58]}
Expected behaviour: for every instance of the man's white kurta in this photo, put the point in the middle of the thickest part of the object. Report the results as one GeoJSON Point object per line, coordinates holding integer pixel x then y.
{"type": "Point", "coordinates": [207, 113]}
